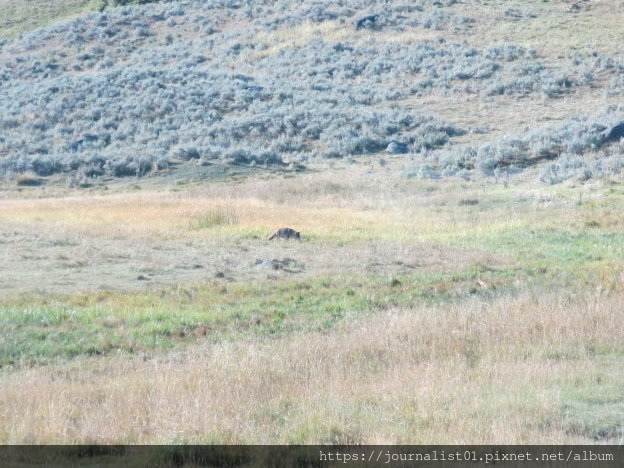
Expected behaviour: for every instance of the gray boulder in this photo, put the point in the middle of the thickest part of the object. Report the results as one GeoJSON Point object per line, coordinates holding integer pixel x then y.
{"type": "Point", "coordinates": [394, 147]}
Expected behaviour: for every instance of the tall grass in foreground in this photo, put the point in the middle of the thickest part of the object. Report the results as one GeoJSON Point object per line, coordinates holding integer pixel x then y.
{"type": "Point", "coordinates": [522, 370]}
{"type": "Point", "coordinates": [214, 217]}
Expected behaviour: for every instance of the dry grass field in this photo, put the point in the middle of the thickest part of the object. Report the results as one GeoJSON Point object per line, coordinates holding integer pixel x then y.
{"type": "Point", "coordinates": [508, 296]}
{"type": "Point", "coordinates": [513, 370]}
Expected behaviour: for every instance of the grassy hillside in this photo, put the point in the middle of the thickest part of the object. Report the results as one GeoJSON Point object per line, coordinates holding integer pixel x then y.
{"type": "Point", "coordinates": [136, 90]}
{"type": "Point", "coordinates": [19, 16]}
{"type": "Point", "coordinates": [450, 168]}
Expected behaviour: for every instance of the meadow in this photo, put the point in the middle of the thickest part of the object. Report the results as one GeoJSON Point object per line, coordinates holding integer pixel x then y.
{"type": "Point", "coordinates": [466, 289]}
{"type": "Point", "coordinates": [510, 294]}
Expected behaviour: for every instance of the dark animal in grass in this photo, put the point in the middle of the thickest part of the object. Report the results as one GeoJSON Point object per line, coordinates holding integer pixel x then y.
{"type": "Point", "coordinates": [75, 146]}
{"type": "Point", "coordinates": [613, 133]}
{"type": "Point", "coordinates": [285, 233]}
{"type": "Point", "coordinates": [577, 5]}
{"type": "Point", "coordinates": [367, 22]}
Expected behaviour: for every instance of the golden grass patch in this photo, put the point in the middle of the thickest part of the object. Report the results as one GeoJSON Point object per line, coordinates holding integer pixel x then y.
{"type": "Point", "coordinates": [344, 205]}
{"type": "Point", "coordinates": [298, 36]}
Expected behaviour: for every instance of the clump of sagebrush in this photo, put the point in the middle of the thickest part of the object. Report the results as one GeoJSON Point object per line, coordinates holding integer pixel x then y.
{"type": "Point", "coordinates": [135, 88]}
{"type": "Point", "coordinates": [516, 13]}
{"type": "Point", "coordinates": [579, 148]}
{"type": "Point", "coordinates": [616, 86]}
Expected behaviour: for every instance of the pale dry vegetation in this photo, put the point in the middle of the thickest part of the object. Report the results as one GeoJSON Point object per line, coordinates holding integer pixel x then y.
{"type": "Point", "coordinates": [547, 26]}
{"type": "Point", "coordinates": [512, 370]}
{"type": "Point", "coordinates": [378, 203]}
{"type": "Point", "coordinates": [349, 218]}
{"type": "Point", "coordinates": [81, 242]}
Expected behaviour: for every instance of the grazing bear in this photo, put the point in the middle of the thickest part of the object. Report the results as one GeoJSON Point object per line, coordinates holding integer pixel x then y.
{"type": "Point", "coordinates": [613, 133]}
{"type": "Point", "coordinates": [285, 233]}
{"type": "Point", "coordinates": [367, 22]}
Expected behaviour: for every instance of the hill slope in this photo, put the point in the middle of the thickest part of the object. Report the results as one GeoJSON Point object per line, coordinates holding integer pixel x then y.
{"type": "Point", "coordinates": [131, 90]}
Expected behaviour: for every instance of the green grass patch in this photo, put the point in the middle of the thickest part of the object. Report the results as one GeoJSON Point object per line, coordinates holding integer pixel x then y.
{"type": "Point", "coordinates": [593, 406]}
{"type": "Point", "coordinates": [547, 247]}
{"type": "Point", "coordinates": [40, 330]}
